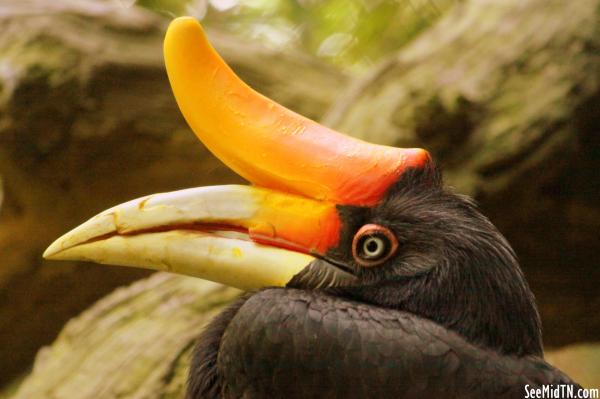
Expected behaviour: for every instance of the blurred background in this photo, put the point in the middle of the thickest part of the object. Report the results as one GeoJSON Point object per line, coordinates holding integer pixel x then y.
{"type": "Point", "coordinates": [505, 95]}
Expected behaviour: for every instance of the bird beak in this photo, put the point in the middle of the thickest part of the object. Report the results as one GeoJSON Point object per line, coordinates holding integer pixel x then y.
{"type": "Point", "coordinates": [243, 236]}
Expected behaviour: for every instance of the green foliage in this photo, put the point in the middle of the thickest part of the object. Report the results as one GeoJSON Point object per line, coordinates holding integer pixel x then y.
{"type": "Point", "coordinates": [349, 33]}
{"type": "Point", "coordinates": [171, 7]}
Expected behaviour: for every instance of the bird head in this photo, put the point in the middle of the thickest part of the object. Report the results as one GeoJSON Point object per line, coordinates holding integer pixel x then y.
{"type": "Point", "coordinates": [324, 211]}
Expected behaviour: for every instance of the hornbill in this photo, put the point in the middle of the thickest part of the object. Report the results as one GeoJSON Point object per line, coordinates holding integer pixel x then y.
{"type": "Point", "coordinates": [366, 278]}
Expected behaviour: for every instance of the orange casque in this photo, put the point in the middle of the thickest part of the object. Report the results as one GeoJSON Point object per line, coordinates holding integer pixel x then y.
{"type": "Point", "coordinates": [270, 145]}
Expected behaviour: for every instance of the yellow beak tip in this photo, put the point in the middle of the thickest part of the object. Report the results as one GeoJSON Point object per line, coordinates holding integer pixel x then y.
{"type": "Point", "coordinates": [53, 250]}
{"type": "Point", "coordinates": [48, 253]}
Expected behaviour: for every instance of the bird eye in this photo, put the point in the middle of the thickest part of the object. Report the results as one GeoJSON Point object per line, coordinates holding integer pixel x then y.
{"type": "Point", "coordinates": [373, 244]}
{"type": "Point", "coordinates": [373, 247]}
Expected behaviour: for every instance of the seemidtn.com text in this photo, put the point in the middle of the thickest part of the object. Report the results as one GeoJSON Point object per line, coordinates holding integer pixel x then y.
{"type": "Point", "coordinates": [559, 391]}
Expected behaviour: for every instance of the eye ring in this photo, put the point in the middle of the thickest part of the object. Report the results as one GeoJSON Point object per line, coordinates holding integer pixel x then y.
{"type": "Point", "coordinates": [373, 244]}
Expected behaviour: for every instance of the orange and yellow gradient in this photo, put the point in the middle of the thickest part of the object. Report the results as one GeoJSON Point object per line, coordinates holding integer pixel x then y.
{"type": "Point", "coordinates": [267, 143]}
{"type": "Point", "coordinates": [244, 236]}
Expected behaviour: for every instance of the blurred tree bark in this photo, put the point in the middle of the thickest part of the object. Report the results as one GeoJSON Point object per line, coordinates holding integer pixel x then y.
{"type": "Point", "coordinates": [87, 120]}
{"type": "Point", "coordinates": [505, 94]}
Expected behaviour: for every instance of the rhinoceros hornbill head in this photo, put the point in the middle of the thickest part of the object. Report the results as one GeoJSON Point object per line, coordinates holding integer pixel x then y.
{"type": "Point", "coordinates": [324, 211]}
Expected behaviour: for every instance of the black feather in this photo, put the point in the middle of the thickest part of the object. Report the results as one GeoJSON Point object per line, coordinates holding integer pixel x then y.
{"type": "Point", "coordinates": [449, 315]}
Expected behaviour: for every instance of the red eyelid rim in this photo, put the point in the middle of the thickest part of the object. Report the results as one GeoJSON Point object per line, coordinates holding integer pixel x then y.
{"type": "Point", "coordinates": [371, 229]}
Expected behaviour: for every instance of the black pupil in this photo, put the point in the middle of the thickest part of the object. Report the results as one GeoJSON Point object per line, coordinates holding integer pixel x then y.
{"type": "Point", "coordinates": [372, 245]}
